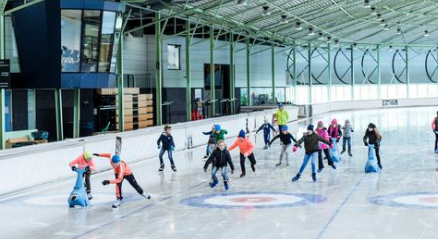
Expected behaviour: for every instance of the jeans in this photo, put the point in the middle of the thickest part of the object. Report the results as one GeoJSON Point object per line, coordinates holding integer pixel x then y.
{"type": "Point", "coordinates": [169, 153]}
{"type": "Point", "coordinates": [346, 141]}
{"type": "Point", "coordinates": [436, 139]}
{"type": "Point", "coordinates": [267, 138]}
{"type": "Point", "coordinates": [313, 156]}
{"type": "Point", "coordinates": [223, 172]}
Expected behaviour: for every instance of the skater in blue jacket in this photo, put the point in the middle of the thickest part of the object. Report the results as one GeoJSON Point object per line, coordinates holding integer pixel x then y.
{"type": "Point", "coordinates": [266, 132]}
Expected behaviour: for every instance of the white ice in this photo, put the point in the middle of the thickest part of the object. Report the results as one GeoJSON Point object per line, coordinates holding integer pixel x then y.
{"type": "Point", "coordinates": [410, 166]}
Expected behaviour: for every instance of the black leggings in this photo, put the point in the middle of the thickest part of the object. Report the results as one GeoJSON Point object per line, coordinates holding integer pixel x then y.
{"type": "Point", "coordinates": [242, 161]}
{"type": "Point", "coordinates": [87, 183]}
{"type": "Point", "coordinates": [377, 154]}
{"type": "Point", "coordinates": [327, 155]}
{"type": "Point", "coordinates": [132, 181]}
{"type": "Point", "coordinates": [436, 139]}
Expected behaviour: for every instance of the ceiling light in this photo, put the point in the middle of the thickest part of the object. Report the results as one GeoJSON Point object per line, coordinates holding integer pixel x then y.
{"type": "Point", "coordinates": [336, 42]}
{"type": "Point", "coordinates": [311, 32]}
{"type": "Point", "coordinates": [390, 48]}
{"type": "Point", "coordinates": [266, 11]}
{"type": "Point", "coordinates": [382, 22]}
{"type": "Point", "coordinates": [386, 27]}
{"type": "Point", "coordinates": [379, 17]}
{"type": "Point", "coordinates": [373, 11]}
{"type": "Point", "coordinates": [321, 36]}
{"type": "Point", "coordinates": [366, 4]}
{"type": "Point", "coordinates": [426, 33]}
{"type": "Point", "coordinates": [241, 2]}
{"type": "Point", "coordinates": [329, 39]}
{"type": "Point", "coordinates": [298, 26]}
{"type": "Point", "coordinates": [354, 45]}
{"type": "Point", "coordinates": [398, 31]}
{"type": "Point", "coordinates": [283, 19]}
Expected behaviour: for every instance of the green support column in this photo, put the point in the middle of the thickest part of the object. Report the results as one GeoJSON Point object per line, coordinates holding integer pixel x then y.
{"type": "Point", "coordinates": [158, 76]}
{"type": "Point", "coordinates": [31, 109]}
{"type": "Point", "coordinates": [248, 72]}
{"type": "Point", "coordinates": [120, 91]}
{"type": "Point", "coordinates": [232, 79]}
{"type": "Point", "coordinates": [2, 91]}
{"type": "Point", "coordinates": [212, 80]}
{"type": "Point", "coordinates": [188, 79]}
{"type": "Point", "coordinates": [407, 72]}
{"type": "Point", "coordinates": [76, 112]}
{"type": "Point", "coordinates": [273, 72]}
{"type": "Point", "coordinates": [294, 72]}
{"type": "Point", "coordinates": [309, 54]}
{"type": "Point", "coordinates": [329, 71]}
{"type": "Point", "coordinates": [352, 73]}
{"type": "Point", "coordinates": [58, 112]}
{"type": "Point", "coordinates": [379, 75]}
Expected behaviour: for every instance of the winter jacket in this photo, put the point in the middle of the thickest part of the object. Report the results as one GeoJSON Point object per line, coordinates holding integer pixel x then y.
{"type": "Point", "coordinates": [219, 159]}
{"type": "Point", "coordinates": [372, 138]}
{"type": "Point", "coordinates": [323, 133]}
{"type": "Point", "coordinates": [244, 145]}
{"type": "Point", "coordinates": [284, 138]}
{"type": "Point", "coordinates": [220, 136]}
{"type": "Point", "coordinates": [82, 163]}
{"type": "Point", "coordinates": [121, 169]}
{"type": "Point", "coordinates": [347, 130]}
{"type": "Point", "coordinates": [334, 132]}
{"type": "Point", "coordinates": [282, 117]}
{"type": "Point", "coordinates": [266, 128]}
{"type": "Point", "coordinates": [167, 141]}
{"type": "Point", "coordinates": [435, 124]}
{"type": "Point", "coordinates": [311, 142]}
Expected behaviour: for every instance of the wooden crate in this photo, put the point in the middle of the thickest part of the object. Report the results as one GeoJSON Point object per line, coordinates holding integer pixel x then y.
{"type": "Point", "coordinates": [143, 117]}
{"type": "Point", "coordinates": [107, 91]}
{"type": "Point", "coordinates": [126, 112]}
{"type": "Point", "coordinates": [132, 91]}
{"type": "Point", "coordinates": [145, 97]}
{"type": "Point", "coordinates": [142, 110]}
{"type": "Point", "coordinates": [149, 103]}
{"type": "Point", "coordinates": [150, 109]}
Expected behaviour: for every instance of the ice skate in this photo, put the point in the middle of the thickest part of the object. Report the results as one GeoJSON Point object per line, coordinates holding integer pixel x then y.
{"type": "Point", "coordinates": [314, 177]}
{"type": "Point", "coordinates": [89, 196]}
{"type": "Point", "coordinates": [147, 196]}
{"type": "Point", "coordinates": [173, 168]}
{"type": "Point", "coordinates": [320, 170]}
{"type": "Point", "coordinates": [226, 186]}
{"type": "Point", "coordinates": [117, 203]}
{"type": "Point", "coordinates": [349, 153]}
{"type": "Point", "coordinates": [161, 168]}
{"type": "Point", "coordinates": [296, 178]}
{"type": "Point", "coordinates": [213, 183]}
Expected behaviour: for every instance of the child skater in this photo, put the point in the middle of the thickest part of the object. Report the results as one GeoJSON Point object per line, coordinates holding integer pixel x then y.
{"type": "Point", "coordinates": [122, 171]}
{"type": "Point", "coordinates": [209, 149]}
{"type": "Point", "coordinates": [334, 130]}
{"type": "Point", "coordinates": [346, 139]}
{"type": "Point", "coordinates": [274, 124]}
{"type": "Point", "coordinates": [219, 159]}
{"type": "Point", "coordinates": [84, 161]}
{"type": "Point", "coordinates": [373, 136]}
{"type": "Point", "coordinates": [219, 133]}
{"type": "Point", "coordinates": [322, 132]}
{"type": "Point", "coordinates": [435, 131]}
{"type": "Point", "coordinates": [246, 148]}
{"type": "Point", "coordinates": [266, 132]}
{"type": "Point", "coordinates": [311, 146]}
{"type": "Point", "coordinates": [286, 139]}
{"type": "Point", "coordinates": [168, 145]}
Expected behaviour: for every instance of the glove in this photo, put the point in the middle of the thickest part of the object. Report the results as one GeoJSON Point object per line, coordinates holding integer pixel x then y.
{"type": "Point", "coordinates": [105, 182]}
{"type": "Point", "coordinates": [205, 170]}
{"type": "Point", "coordinates": [172, 148]}
{"type": "Point", "coordinates": [87, 168]}
{"type": "Point", "coordinates": [332, 146]}
{"type": "Point", "coordinates": [337, 139]}
{"type": "Point", "coordinates": [294, 149]}
{"type": "Point", "coordinates": [73, 168]}
{"type": "Point", "coordinates": [96, 154]}
{"type": "Point", "coordinates": [366, 144]}
{"type": "Point", "coordinates": [232, 171]}
{"type": "Point", "coordinates": [159, 146]}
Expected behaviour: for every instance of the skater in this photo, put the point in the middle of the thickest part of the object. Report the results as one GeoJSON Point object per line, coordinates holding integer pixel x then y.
{"type": "Point", "coordinates": [282, 116]}
{"type": "Point", "coordinates": [122, 171]}
{"type": "Point", "coordinates": [266, 132]}
{"type": "Point", "coordinates": [435, 131]}
{"type": "Point", "coordinates": [246, 148]}
{"type": "Point", "coordinates": [219, 159]}
{"type": "Point", "coordinates": [219, 133]}
{"type": "Point", "coordinates": [84, 161]}
{"type": "Point", "coordinates": [209, 149]}
{"type": "Point", "coordinates": [286, 139]}
{"type": "Point", "coordinates": [346, 138]}
{"type": "Point", "coordinates": [373, 136]}
{"type": "Point", "coordinates": [322, 131]}
{"type": "Point", "coordinates": [335, 134]}
{"type": "Point", "coordinates": [274, 124]}
{"type": "Point", "coordinates": [168, 145]}
{"type": "Point", "coordinates": [311, 146]}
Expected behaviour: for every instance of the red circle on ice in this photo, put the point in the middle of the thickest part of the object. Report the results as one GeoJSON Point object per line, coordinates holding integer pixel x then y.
{"type": "Point", "coordinates": [429, 199]}
{"type": "Point", "coordinates": [253, 199]}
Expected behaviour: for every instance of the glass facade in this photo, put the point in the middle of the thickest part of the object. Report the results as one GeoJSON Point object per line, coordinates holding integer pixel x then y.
{"type": "Point", "coordinates": [88, 40]}
{"type": "Point", "coordinates": [173, 57]}
{"type": "Point", "coordinates": [11, 51]}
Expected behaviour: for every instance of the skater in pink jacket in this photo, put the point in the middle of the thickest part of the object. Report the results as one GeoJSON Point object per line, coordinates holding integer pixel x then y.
{"type": "Point", "coordinates": [322, 131]}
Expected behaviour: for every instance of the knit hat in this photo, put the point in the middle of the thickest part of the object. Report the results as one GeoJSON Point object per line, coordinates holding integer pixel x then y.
{"type": "Point", "coordinates": [320, 124]}
{"type": "Point", "coordinates": [241, 134]}
{"type": "Point", "coordinates": [284, 128]}
{"type": "Point", "coordinates": [310, 127]}
{"type": "Point", "coordinates": [87, 155]}
{"type": "Point", "coordinates": [371, 125]}
{"type": "Point", "coordinates": [334, 121]}
{"type": "Point", "coordinates": [280, 104]}
{"type": "Point", "coordinates": [115, 159]}
{"type": "Point", "coordinates": [347, 121]}
{"type": "Point", "coordinates": [217, 127]}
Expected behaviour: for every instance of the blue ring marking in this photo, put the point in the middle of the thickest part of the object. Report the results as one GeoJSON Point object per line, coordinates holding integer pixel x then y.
{"type": "Point", "coordinates": [199, 201]}
{"type": "Point", "coordinates": [387, 200]}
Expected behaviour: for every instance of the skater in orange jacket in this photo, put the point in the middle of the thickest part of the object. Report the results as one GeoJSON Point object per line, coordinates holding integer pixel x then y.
{"type": "Point", "coordinates": [122, 171]}
{"type": "Point", "coordinates": [84, 161]}
{"type": "Point", "coordinates": [246, 148]}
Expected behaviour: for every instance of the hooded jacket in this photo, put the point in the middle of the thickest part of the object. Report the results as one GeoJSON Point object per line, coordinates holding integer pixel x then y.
{"type": "Point", "coordinates": [323, 133]}
{"type": "Point", "coordinates": [311, 142]}
{"type": "Point", "coordinates": [334, 132]}
{"type": "Point", "coordinates": [219, 159]}
{"type": "Point", "coordinates": [220, 135]}
{"type": "Point", "coordinates": [371, 136]}
{"type": "Point", "coordinates": [282, 117]}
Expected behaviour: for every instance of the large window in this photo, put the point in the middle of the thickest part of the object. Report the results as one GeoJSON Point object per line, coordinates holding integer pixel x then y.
{"type": "Point", "coordinates": [106, 42]}
{"type": "Point", "coordinates": [90, 41]}
{"type": "Point", "coordinates": [70, 39]}
{"type": "Point", "coordinates": [173, 60]}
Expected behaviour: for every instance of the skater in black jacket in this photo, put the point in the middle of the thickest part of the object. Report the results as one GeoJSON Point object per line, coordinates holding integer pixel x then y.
{"type": "Point", "coordinates": [168, 145]}
{"type": "Point", "coordinates": [219, 159]}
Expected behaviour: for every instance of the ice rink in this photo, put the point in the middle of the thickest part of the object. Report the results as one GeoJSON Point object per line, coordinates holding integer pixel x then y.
{"type": "Point", "coordinates": [400, 202]}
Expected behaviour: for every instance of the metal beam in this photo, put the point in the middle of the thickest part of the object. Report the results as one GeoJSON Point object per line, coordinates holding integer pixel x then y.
{"type": "Point", "coordinates": [76, 112]}
{"type": "Point", "coordinates": [352, 72]}
{"type": "Point", "coordinates": [212, 75]}
{"type": "Point", "coordinates": [294, 72]}
{"type": "Point", "coordinates": [232, 76]}
{"type": "Point", "coordinates": [309, 54]}
{"type": "Point", "coordinates": [248, 71]}
{"type": "Point", "coordinates": [188, 77]}
{"type": "Point", "coordinates": [26, 5]}
{"type": "Point", "coordinates": [379, 74]}
{"type": "Point", "coordinates": [2, 90]}
{"type": "Point", "coordinates": [407, 72]}
{"type": "Point", "coordinates": [329, 71]}
{"type": "Point", "coordinates": [58, 113]}
{"type": "Point", "coordinates": [158, 69]}
{"type": "Point", "coordinates": [120, 87]}
{"type": "Point", "coordinates": [273, 72]}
